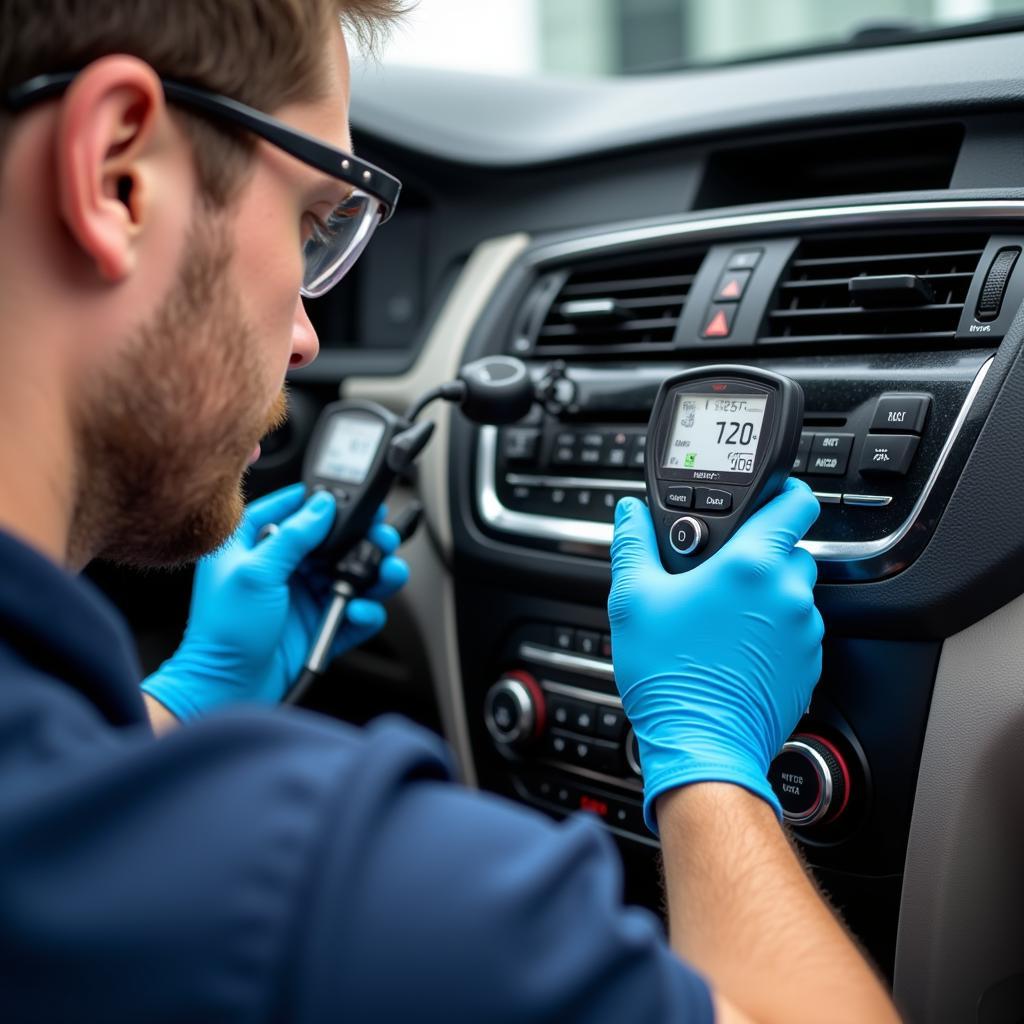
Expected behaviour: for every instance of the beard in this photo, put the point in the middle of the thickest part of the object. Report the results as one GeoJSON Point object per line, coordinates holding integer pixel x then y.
{"type": "Point", "coordinates": [165, 434]}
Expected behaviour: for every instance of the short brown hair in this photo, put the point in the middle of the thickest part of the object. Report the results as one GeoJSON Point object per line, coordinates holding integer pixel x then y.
{"type": "Point", "coordinates": [262, 52]}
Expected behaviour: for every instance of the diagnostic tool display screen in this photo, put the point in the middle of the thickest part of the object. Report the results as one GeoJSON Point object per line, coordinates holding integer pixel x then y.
{"type": "Point", "coordinates": [715, 433]}
{"type": "Point", "coordinates": [349, 448]}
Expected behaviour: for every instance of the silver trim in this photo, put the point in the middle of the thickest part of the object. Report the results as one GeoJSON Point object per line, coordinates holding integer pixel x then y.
{"type": "Point", "coordinates": [631, 759]}
{"type": "Point", "coordinates": [818, 763]}
{"type": "Point", "coordinates": [571, 663]}
{"type": "Point", "coordinates": [578, 693]}
{"type": "Point", "coordinates": [527, 716]}
{"type": "Point", "coordinates": [828, 497]}
{"type": "Point", "coordinates": [574, 482]}
{"type": "Point", "coordinates": [710, 227]}
{"type": "Point", "coordinates": [867, 500]}
{"type": "Point", "coordinates": [580, 531]}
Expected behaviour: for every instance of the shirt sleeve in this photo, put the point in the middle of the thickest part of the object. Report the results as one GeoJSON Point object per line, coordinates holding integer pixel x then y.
{"type": "Point", "coordinates": [433, 903]}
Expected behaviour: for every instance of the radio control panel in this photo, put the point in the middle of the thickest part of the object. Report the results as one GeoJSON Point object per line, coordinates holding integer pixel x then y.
{"type": "Point", "coordinates": [875, 446]}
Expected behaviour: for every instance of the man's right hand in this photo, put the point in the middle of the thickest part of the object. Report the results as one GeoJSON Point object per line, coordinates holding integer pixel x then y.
{"type": "Point", "coordinates": [716, 666]}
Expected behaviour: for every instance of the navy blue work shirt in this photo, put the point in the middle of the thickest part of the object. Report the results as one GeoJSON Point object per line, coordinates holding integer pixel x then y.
{"type": "Point", "coordinates": [278, 866]}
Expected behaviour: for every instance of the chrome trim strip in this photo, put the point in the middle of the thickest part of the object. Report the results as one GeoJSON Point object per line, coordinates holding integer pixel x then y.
{"type": "Point", "coordinates": [867, 214]}
{"type": "Point", "coordinates": [828, 497]}
{"type": "Point", "coordinates": [867, 500]}
{"type": "Point", "coordinates": [578, 693]}
{"type": "Point", "coordinates": [575, 482]}
{"type": "Point", "coordinates": [576, 531]}
{"type": "Point", "coordinates": [570, 663]}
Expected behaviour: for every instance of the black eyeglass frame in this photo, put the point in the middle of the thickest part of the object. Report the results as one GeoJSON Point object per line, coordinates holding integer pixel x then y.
{"type": "Point", "coordinates": [336, 163]}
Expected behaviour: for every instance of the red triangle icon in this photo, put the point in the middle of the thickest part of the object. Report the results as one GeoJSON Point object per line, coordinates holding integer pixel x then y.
{"type": "Point", "coordinates": [719, 326]}
{"type": "Point", "coordinates": [731, 290]}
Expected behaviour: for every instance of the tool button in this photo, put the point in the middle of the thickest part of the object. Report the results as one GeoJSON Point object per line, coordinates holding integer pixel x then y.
{"type": "Point", "coordinates": [718, 322]}
{"type": "Point", "coordinates": [903, 413]}
{"type": "Point", "coordinates": [677, 496]}
{"type": "Point", "coordinates": [888, 454]}
{"type": "Point", "coordinates": [732, 286]}
{"type": "Point", "coordinates": [688, 535]}
{"type": "Point", "coordinates": [711, 500]}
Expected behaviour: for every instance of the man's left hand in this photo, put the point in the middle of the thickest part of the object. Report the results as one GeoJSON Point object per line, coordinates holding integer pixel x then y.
{"type": "Point", "coordinates": [256, 609]}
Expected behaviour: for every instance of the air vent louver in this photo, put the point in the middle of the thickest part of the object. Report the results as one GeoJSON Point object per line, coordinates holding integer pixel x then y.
{"type": "Point", "coordinates": [921, 284]}
{"type": "Point", "coordinates": [629, 306]}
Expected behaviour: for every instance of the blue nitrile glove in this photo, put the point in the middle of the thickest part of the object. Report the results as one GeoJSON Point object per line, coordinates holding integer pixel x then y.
{"type": "Point", "coordinates": [715, 666]}
{"type": "Point", "coordinates": [255, 613]}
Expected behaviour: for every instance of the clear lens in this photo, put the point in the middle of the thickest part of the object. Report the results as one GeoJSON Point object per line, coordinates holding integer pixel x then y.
{"type": "Point", "coordinates": [333, 247]}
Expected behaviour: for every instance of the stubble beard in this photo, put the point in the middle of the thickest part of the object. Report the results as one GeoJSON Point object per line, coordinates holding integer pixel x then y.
{"type": "Point", "coordinates": [165, 435]}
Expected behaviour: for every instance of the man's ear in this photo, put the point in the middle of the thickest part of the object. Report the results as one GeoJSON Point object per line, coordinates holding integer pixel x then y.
{"type": "Point", "coordinates": [105, 132]}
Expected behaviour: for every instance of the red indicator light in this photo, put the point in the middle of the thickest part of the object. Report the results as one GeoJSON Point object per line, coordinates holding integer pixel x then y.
{"type": "Point", "coordinates": [731, 290]}
{"type": "Point", "coordinates": [719, 387]}
{"type": "Point", "coordinates": [588, 803]}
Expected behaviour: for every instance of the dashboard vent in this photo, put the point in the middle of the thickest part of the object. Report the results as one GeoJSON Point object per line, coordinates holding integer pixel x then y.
{"type": "Point", "coordinates": [630, 305]}
{"type": "Point", "coordinates": [889, 290]}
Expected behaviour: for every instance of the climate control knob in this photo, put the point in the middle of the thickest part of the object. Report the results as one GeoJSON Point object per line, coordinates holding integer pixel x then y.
{"type": "Point", "coordinates": [811, 779]}
{"type": "Point", "coordinates": [514, 709]}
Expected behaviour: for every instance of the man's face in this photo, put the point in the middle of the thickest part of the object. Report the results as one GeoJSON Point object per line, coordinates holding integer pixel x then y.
{"type": "Point", "coordinates": [173, 426]}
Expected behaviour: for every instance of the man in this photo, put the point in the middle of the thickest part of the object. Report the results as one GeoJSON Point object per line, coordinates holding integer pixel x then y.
{"type": "Point", "coordinates": [265, 865]}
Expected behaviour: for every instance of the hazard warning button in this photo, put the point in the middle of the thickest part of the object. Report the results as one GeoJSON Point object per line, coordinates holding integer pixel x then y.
{"type": "Point", "coordinates": [718, 323]}
{"type": "Point", "coordinates": [732, 286]}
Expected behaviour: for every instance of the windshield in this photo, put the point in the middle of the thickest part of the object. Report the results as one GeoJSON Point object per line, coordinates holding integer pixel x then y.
{"type": "Point", "coordinates": [615, 37]}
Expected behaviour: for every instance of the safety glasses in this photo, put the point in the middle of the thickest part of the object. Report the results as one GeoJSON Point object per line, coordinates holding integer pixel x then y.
{"type": "Point", "coordinates": [337, 241]}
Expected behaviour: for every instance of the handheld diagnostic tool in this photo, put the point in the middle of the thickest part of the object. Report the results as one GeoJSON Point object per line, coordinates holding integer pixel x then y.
{"type": "Point", "coordinates": [355, 452]}
{"type": "Point", "coordinates": [721, 442]}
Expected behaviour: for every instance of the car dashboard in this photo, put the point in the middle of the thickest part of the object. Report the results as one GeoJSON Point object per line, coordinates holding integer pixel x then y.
{"type": "Point", "coordinates": [854, 221]}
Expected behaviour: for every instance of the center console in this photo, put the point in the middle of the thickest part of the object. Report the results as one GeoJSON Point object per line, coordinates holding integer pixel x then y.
{"type": "Point", "coordinates": [897, 323]}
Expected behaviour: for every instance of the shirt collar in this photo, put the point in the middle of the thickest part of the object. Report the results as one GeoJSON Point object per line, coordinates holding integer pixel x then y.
{"type": "Point", "coordinates": [63, 625]}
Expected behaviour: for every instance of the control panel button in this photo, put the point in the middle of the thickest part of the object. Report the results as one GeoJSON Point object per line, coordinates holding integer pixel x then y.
{"type": "Point", "coordinates": [744, 259]}
{"type": "Point", "coordinates": [574, 715]}
{"type": "Point", "coordinates": [732, 286]}
{"type": "Point", "coordinates": [590, 457]}
{"type": "Point", "coordinates": [565, 638]}
{"type": "Point", "coordinates": [828, 498]}
{"type": "Point", "coordinates": [688, 535]}
{"type": "Point", "coordinates": [514, 709]}
{"type": "Point", "coordinates": [606, 646]}
{"type": "Point", "coordinates": [830, 454]}
{"type": "Point", "coordinates": [811, 780]}
{"type": "Point", "coordinates": [611, 723]}
{"type": "Point", "coordinates": [904, 414]}
{"type": "Point", "coordinates": [802, 453]}
{"type": "Point", "coordinates": [616, 453]}
{"type": "Point", "coordinates": [638, 450]}
{"type": "Point", "coordinates": [588, 642]}
{"type": "Point", "coordinates": [677, 496]}
{"type": "Point", "coordinates": [520, 444]}
{"type": "Point", "coordinates": [709, 499]}
{"type": "Point", "coordinates": [832, 444]}
{"type": "Point", "coordinates": [563, 454]}
{"type": "Point", "coordinates": [888, 454]}
{"type": "Point", "coordinates": [718, 322]}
